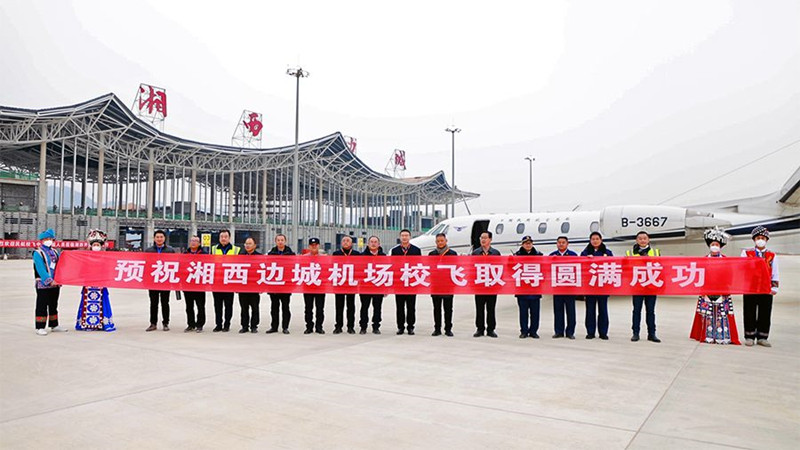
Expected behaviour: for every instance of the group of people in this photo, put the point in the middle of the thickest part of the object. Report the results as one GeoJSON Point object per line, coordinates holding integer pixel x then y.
{"type": "Point", "coordinates": [714, 319]}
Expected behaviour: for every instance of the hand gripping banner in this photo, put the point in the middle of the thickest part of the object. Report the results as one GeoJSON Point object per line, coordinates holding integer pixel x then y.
{"type": "Point", "coordinates": [416, 274]}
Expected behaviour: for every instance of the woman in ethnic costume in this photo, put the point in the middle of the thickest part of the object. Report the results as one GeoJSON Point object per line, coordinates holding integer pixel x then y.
{"type": "Point", "coordinates": [94, 311]}
{"type": "Point", "coordinates": [714, 322]}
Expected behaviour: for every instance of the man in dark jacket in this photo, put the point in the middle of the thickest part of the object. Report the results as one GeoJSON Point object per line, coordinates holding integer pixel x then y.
{"type": "Point", "coordinates": [596, 305]}
{"type": "Point", "coordinates": [563, 304]}
{"type": "Point", "coordinates": [280, 302]}
{"type": "Point", "coordinates": [439, 300]}
{"type": "Point", "coordinates": [159, 246]}
{"type": "Point", "coordinates": [315, 301]}
{"type": "Point", "coordinates": [373, 249]}
{"type": "Point", "coordinates": [528, 303]}
{"type": "Point", "coordinates": [406, 304]}
{"type": "Point", "coordinates": [195, 297]}
{"type": "Point", "coordinates": [250, 302]}
{"type": "Point", "coordinates": [346, 250]}
{"type": "Point", "coordinates": [485, 304]}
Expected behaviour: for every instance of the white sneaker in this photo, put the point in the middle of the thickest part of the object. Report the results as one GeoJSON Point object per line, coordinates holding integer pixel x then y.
{"type": "Point", "coordinates": [58, 329]}
{"type": "Point", "coordinates": [764, 343]}
{"type": "Point", "coordinates": [41, 332]}
{"type": "Point", "coordinates": [749, 342]}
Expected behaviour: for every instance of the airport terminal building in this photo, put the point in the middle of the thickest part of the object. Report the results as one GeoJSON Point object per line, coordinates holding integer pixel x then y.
{"type": "Point", "coordinates": [97, 165]}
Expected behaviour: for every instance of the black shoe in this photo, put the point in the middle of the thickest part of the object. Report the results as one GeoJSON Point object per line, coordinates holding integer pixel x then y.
{"type": "Point", "coordinates": [362, 331]}
{"type": "Point", "coordinates": [534, 335]}
{"type": "Point", "coordinates": [436, 333]}
{"type": "Point", "coordinates": [448, 333]}
{"type": "Point", "coordinates": [254, 330]}
{"type": "Point", "coordinates": [589, 336]}
{"type": "Point", "coordinates": [272, 330]}
{"type": "Point", "coordinates": [376, 331]}
{"type": "Point", "coordinates": [285, 331]}
{"type": "Point", "coordinates": [217, 329]}
{"type": "Point", "coordinates": [351, 330]}
{"type": "Point", "coordinates": [653, 339]}
{"type": "Point", "coordinates": [491, 334]}
{"type": "Point", "coordinates": [308, 331]}
{"type": "Point", "coordinates": [603, 337]}
{"type": "Point", "coordinates": [320, 331]}
{"type": "Point", "coordinates": [198, 330]}
{"type": "Point", "coordinates": [243, 330]}
{"type": "Point", "coordinates": [411, 332]}
{"type": "Point", "coordinates": [478, 334]}
{"type": "Point", "coordinates": [523, 335]}
{"type": "Point", "coordinates": [635, 338]}
{"type": "Point", "coordinates": [226, 329]}
{"type": "Point", "coordinates": [558, 336]}
{"type": "Point", "coordinates": [400, 331]}
{"type": "Point", "coordinates": [571, 336]}
{"type": "Point", "coordinates": [188, 329]}
{"type": "Point", "coordinates": [337, 330]}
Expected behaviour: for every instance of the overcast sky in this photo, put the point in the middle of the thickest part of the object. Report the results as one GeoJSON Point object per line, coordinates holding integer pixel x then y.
{"type": "Point", "coordinates": [618, 101]}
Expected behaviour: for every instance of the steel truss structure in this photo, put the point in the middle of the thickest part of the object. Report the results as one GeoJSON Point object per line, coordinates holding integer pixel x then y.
{"type": "Point", "coordinates": [126, 169]}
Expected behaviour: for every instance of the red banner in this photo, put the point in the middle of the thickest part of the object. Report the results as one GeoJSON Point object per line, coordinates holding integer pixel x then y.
{"type": "Point", "coordinates": [21, 243]}
{"type": "Point", "coordinates": [416, 274]}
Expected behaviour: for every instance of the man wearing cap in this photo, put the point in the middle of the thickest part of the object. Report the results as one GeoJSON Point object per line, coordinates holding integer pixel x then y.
{"type": "Point", "coordinates": [758, 307]}
{"type": "Point", "coordinates": [346, 250]}
{"type": "Point", "coordinates": [316, 300]}
{"type": "Point", "coordinates": [528, 303]}
{"type": "Point", "coordinates": [45, 260]}
{"type": "Point", "coordinates": [440, 300]}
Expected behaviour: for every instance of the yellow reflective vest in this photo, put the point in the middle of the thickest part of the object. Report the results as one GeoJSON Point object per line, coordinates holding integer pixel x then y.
{"type": "Point", "coordinates": [651, 252]}
{"type": "Point", "coordinates": [215, 250]}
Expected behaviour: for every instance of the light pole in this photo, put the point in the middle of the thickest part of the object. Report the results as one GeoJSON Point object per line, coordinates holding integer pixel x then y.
{"type": "Point", "coordinates": [298, 73]}
{"type": "Point", "coordinates": [530, 182]}
{"type": "Point", "coordinates": [453, 131]}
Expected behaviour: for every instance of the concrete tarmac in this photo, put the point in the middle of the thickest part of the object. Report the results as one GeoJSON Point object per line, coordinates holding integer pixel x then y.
{"type": "Point", "coordinates": [131, 389]}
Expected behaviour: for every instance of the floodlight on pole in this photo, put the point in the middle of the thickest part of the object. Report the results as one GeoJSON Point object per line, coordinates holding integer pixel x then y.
{"type": "Point", "coordinates": [530, 160]}
{"type": "Point", "coordinates": [298, 73]}
{"type": "Point", "coordinates": [453, 131]}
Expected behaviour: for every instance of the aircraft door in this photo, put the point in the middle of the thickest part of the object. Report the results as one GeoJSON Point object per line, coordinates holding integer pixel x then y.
{"type": "Point", "coordinates": [478, 227]}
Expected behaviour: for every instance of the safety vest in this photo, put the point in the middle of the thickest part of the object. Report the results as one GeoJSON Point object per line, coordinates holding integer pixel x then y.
{"type": "Point", "coordinates": [215, 250]}
{"type": "Point", "coordinates": [768, 257]}
{"type": "Point", "coordinates": [651, 252]}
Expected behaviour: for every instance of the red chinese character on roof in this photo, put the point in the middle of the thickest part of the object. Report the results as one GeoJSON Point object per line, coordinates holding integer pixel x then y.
{"type": "Point", "coordinates": [254, 125]}
{"type": "Point", "coordinates": [153, 100]}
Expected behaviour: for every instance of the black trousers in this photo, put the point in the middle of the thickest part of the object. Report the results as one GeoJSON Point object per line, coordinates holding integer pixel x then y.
{"type": "Point", "coordinates": [47, 307]}
{"type": "Point", "coordinates": [251, 311]}
{"type": "Point", "coordinates": [155, 296]}
{"type": "Point", "coordinates": [484, 311]}
{"type": "Point", "coordinates": [757, 316]}
{"type": "Point", "coordinates": [406, 311]}
{"type": "Point", "coordinates": [438, 302]}
{"type": "Point", "coordinates": [279, 303]}
{"type": "Point", "coordinates": [195, 299]}
{"type": "Point", "coordinates": [314, 301]}
{"type": "Point", "coordinates": [377, 304]}
{"type": "Point", "coordinates": [223, 302]}
{"type": "Point", "coordinates": [351, 309]}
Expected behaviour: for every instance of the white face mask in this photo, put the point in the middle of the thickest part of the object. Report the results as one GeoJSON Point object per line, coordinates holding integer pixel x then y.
{"type": "Point", "coordinates": [761, 243]}
{"type": "Point", "coordinates": [714, 248]}
{"type": "Point", "coordinates": [97, 248]}
{"type": "Point", "coordinates": [47, 242]}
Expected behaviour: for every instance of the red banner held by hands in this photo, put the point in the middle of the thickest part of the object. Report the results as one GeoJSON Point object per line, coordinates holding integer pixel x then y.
{"type": "Point", "coordinates": [416, 274]}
